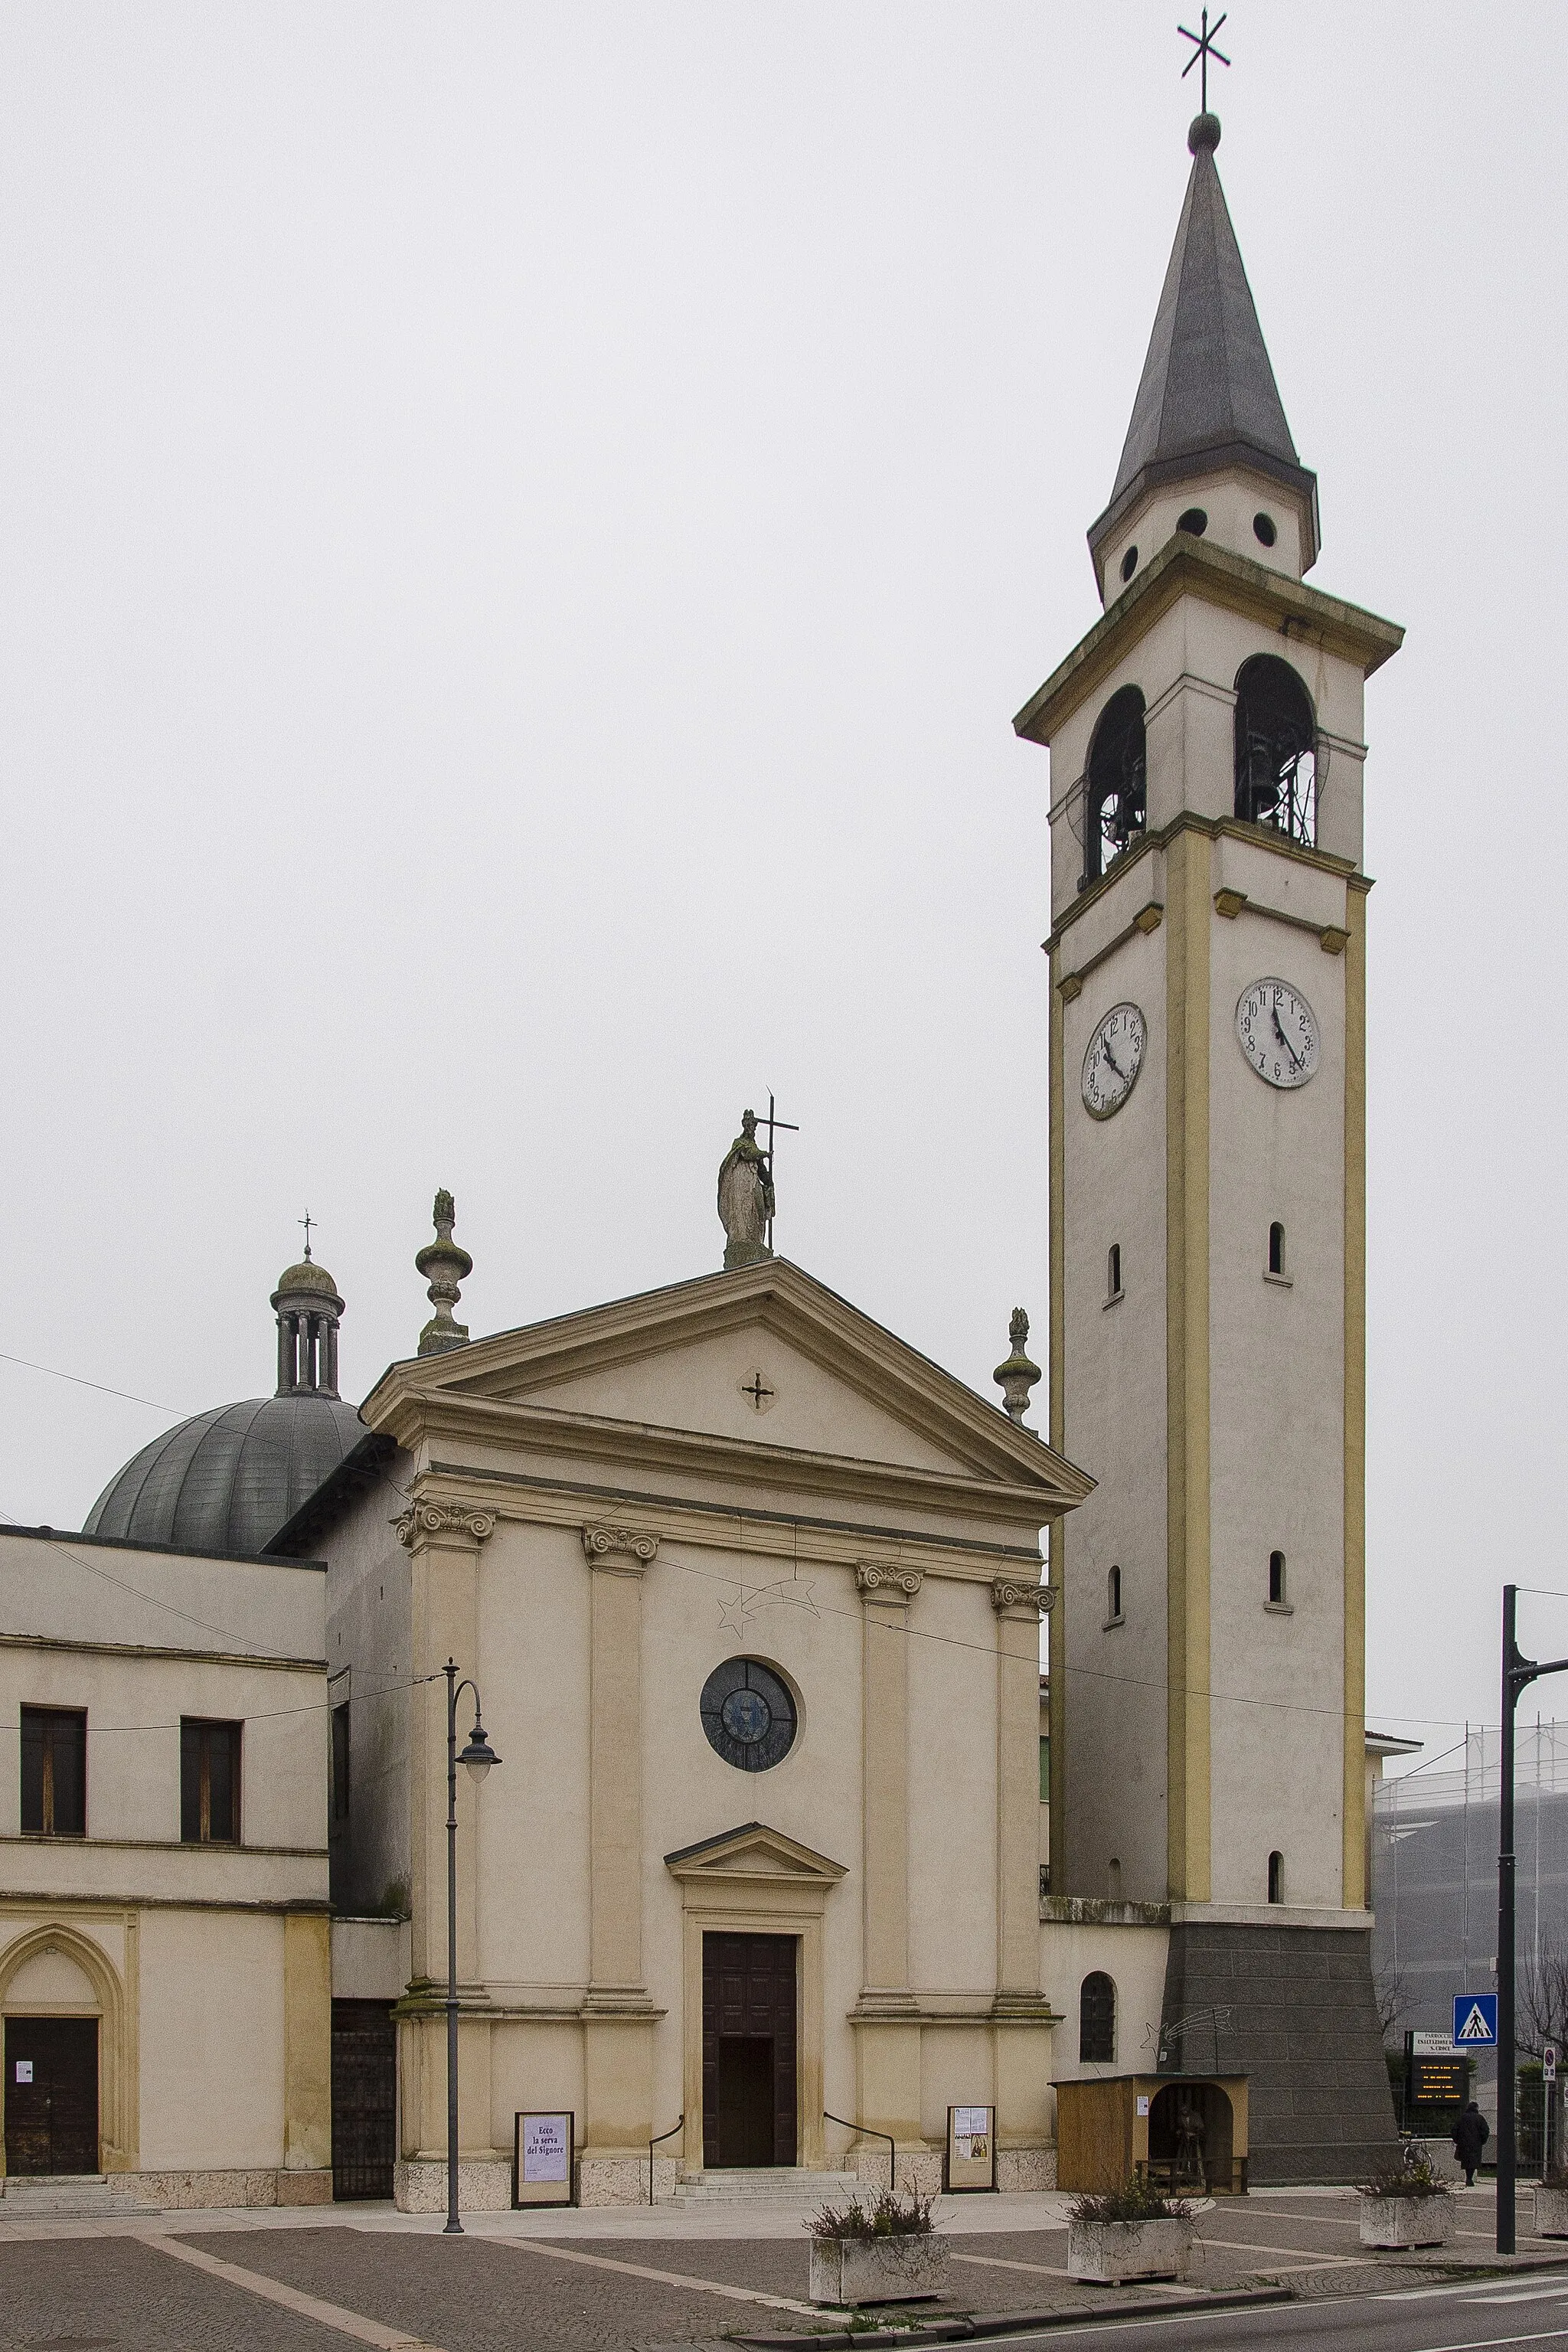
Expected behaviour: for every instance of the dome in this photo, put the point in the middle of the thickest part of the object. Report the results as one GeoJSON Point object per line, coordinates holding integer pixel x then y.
{"type": "Point", "coordinates": [307, 1275]}
{"type": "Point", "coordinates": [228, 1479]}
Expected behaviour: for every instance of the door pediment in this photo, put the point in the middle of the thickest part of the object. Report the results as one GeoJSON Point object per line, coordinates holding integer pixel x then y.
{"type": "Point", "coordinates": [752, 1854]}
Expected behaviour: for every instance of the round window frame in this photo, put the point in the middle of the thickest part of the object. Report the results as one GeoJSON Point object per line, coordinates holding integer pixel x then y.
{"type": "Point", "coordinates": [768, 1752]}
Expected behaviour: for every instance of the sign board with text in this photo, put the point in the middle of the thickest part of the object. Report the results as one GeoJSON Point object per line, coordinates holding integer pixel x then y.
{"type": "Point", "coordinates": [1439, 2081]}
{"type": "Point", "coordinates": [972, 2148]}
{"type": "Point", "coordinates": [1430, 2045]}
{"type": "Point", "coordinates": [542, 2160]}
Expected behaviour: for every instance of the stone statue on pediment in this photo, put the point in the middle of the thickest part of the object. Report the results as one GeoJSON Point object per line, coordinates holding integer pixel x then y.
{"type": "Point", "coordinates": [746, 1198]}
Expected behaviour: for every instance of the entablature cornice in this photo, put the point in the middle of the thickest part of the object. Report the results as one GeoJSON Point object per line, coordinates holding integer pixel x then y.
{"type": "Point", "coordinates": [1257, 837]}
{"type": "Point", "coordinates": [999, 1493]}
{"type": "Point", "coordinates": [1192, 567]}
{"type": "Point", "coordinates": [762, 1535]}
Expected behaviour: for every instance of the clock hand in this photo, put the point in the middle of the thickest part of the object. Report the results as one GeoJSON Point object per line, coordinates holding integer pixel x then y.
{"type": "Point", "coordinates": [1105, 1049]}
{"type": "Point", "coordinates": [1283, 1039]}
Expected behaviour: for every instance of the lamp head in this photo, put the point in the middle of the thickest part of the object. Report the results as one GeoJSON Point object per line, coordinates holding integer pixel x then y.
{"type": "Point", "coordinates": [478, 1755]}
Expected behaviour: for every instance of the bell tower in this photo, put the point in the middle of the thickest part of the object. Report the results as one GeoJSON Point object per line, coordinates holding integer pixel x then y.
{"type": "Point", "coordinates": [1207, 1166]}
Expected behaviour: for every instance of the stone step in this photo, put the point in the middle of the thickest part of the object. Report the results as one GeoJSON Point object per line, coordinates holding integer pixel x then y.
{"type": "Point", "coordinates": [772, 2184]}
{"type": "Point", "coordinates": [64, 2196]}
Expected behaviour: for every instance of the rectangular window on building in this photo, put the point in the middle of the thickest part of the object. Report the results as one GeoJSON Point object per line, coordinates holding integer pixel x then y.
{"type": "Point", "coordinates": [209, 1782]}
{"type": "Point", "coordinates": [342, 1762]}
{"type": "Point", "coordinates": [54, 1772]}
{"type": "Point", "coordinates": [1045, 1768]}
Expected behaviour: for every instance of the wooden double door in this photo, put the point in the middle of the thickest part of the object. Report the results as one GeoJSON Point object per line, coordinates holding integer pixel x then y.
{"type": "Point", "coordinates": [51, 2094]}
{"type": "Point", "coordinates": [749, 2045]}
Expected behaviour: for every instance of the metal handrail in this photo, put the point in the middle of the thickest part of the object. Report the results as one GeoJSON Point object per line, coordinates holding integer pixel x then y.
{"type": "Point", "coordinates": [657, 2142]}
{"type": "Point", "coordinates": [870, 2131]}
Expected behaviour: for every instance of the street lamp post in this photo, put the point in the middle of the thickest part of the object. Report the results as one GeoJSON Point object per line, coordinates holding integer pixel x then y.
{"type": "Point", "coordinates": [479, 1756]}
{"type": "Point", "coordinates": [1518, 1672]}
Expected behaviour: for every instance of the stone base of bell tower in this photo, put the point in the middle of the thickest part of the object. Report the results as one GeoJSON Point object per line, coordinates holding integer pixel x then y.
{"type": "Point", "coordinates": [1297, 2015]}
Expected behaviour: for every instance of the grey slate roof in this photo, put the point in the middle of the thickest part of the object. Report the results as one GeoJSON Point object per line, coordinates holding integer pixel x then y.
{"type": "Point", "coordinates": [226, 1480]}
{"type": "Point", "coordinates": [1207, 394]}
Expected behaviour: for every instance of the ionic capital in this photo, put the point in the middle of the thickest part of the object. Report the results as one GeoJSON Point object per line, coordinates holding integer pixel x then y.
{"type": "Point", "coordinates": [625, 1551]}
{"type": "Point", "coordinates": [882, 1576]}
{"type": "Point", "coordinates": [1009, 1592]}
{"type": "Point", "coordinates": [424, 1520]}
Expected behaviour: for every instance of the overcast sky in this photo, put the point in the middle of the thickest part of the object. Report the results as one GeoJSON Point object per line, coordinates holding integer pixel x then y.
{"type": "Point", "coordinates": [523, 529]}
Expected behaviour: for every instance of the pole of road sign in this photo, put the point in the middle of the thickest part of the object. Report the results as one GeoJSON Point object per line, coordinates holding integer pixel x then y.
{"type": "Point", "coordinates": [1506, 2077]}
{"type": "Point", "coordinates": [1518, 1672]}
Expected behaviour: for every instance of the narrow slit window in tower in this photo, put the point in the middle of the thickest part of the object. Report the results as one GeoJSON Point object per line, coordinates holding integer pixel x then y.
{"type": "Point", "coordinates": [1113, 1597]}
{"type": "Point", "coordinates": [1113, 1271]}
{"type": "Point", "coordinates": [1276, 1580]}
{"type": "Point", "coordinates": [1097, 2019]}
{"type": "Point", "coordinates": [1277, 1878]}
{"type": "Point", "coordinates": [1277, 1248]}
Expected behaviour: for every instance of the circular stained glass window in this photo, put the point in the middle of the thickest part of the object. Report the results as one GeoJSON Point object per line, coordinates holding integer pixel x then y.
{"type": "Point", "coordinates": [748, 1715]}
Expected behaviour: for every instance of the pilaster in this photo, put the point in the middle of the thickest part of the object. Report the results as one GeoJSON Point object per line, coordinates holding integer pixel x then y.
{"type": "Point", "coordinates": [1019, 1606]}
{"type": "Point", "coordinates": [1355, 1890]}
{"type": "Point", "coordinates": [444, 1538]}
{"type": "Point", "coordinates": [886, 1593]}
{"type": "Point", "coordinates": [618, 2016]}
{"type": "Point", "coordinates": [1187, 1019]}
{"type": "Point", "coordinates": [307, 2042]}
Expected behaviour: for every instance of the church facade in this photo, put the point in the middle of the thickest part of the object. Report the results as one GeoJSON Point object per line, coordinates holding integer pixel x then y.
{"type": "Point", "coordinates": [752, 1595]}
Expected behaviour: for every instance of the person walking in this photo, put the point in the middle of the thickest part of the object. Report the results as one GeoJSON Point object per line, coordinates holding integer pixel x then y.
{"type": "Point", "coordinates": [1471, 2134]}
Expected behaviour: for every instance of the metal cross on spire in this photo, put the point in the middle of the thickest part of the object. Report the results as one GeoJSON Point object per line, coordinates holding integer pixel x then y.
{"type": "Point", "coordinates": [307, 1221]}
{"type": "Point", "coordinates": [1203, 50]}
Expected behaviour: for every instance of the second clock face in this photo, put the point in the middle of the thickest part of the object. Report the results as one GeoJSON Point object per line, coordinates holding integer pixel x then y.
{"type": "Point", "coordinates": [1113, 1060]}
{"type": "Point", "coordinates": [1278, 1032]}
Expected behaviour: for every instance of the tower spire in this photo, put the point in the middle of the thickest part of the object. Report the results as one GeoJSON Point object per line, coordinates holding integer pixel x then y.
{"type": "Point", "coordinates": [1207, 401]}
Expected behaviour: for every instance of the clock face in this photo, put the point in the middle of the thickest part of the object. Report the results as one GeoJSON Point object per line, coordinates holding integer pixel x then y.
{"type": "Point", "coordinates": [1115, 1058]}
{"type": "Point", "coordinates": [1278, 1031]}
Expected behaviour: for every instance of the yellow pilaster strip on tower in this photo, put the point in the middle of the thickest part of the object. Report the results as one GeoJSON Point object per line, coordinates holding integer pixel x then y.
{"type": "Point", "coordinates": [1189, 912]}
{"type": "Point", "coordinates": [1057, 1570]}
{"type": "Point", "coordinates": [1355, 1890]}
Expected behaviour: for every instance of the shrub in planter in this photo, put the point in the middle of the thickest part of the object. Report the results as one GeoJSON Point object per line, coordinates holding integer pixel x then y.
{"type": "Point", "coordinates": [883, 2251]}
{"type": "Point", "coordinates": [1406, 2205]}
{"type": "Point", "coordinates": [1131, 2232]}
{"type": "Point", "coordinates": [1551, 2206]}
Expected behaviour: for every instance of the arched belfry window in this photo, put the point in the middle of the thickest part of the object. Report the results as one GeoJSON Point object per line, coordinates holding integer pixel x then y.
{"type": "Point", "coordinates": [1114, 784]}
{"type": "Point", "coordinates": [1276, 750]}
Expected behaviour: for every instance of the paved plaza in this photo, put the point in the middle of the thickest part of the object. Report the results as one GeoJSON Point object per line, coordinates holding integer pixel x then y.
{"type": "Point", "coordinates": [612, 2281]}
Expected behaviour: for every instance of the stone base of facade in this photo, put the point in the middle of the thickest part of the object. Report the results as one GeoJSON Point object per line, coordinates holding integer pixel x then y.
{"type": "Point", "coordinates": [1296, 2014]}
{"type": "Point", "coordinates": [623, 2179]}
{"type": "Point", "coordinates": [189, 2192]}
{"type": "Point", "coordinates": [484, 2185]}
{"type": "Point", "coordinates": [1019, 2170]}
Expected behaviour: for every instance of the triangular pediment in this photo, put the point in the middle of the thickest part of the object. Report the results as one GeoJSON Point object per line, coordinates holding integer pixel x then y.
{"type": "Point", "coordinates": [683, 1364]}
{"type": "Point", "coordinates": [754, 1852]}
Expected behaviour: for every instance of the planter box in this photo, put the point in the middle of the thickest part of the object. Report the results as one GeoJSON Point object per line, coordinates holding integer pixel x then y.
{"type": "Point", "coordinates": [1551, 2212]}
{"type": "Point", "coordinates": [1114, 2250]}
{"type": "Point", "coordinates": [1400, 2222]}
{"type": "Point", "coordinates": [849, 2271]}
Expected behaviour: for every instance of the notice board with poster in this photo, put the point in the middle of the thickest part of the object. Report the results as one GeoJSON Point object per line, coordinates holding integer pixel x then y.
{"type": "Point", "coordinates": [972, 2148]}
{"type": "Point", "coordinates": [542, 2160]}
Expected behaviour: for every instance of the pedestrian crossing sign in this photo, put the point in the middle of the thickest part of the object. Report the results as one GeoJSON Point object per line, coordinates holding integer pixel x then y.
{"type": "Point", "coordinates": [1475, 2021]}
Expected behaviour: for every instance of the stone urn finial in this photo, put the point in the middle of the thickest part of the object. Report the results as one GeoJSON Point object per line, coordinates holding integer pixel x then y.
{"type": "Point", "coordinates": [446, 1266]}
{"type": "Point", "coordinates": [1017, 1375]}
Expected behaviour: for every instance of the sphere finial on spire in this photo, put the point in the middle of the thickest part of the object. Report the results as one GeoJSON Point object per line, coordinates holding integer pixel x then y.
{"type": "Point", "coordinates": [1204, 134]}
